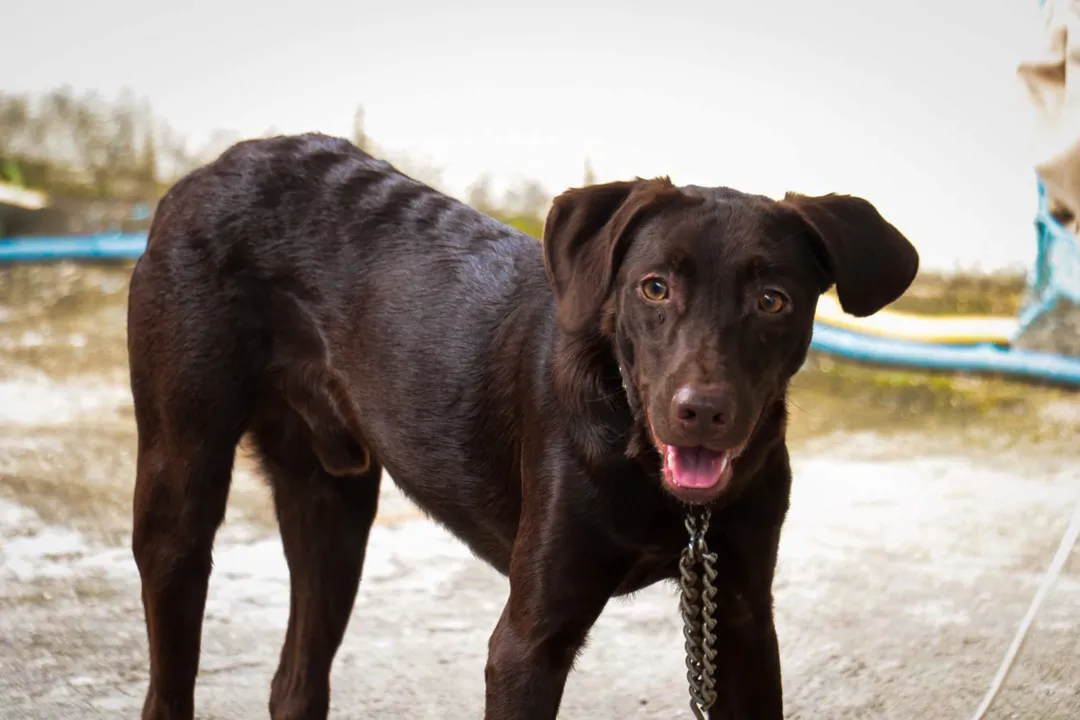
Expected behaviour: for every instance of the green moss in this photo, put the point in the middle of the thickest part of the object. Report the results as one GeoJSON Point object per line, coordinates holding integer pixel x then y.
{"type": "Point", "coordinates": [963, 294]}
{"type": "Point", "coordinates": [830, 395]}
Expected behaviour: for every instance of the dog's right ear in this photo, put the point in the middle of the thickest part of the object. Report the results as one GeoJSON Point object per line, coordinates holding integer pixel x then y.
{"type": "Point", "coordinates": [585, 240]}
{"type": "Point", "coordinates": [870, 261]}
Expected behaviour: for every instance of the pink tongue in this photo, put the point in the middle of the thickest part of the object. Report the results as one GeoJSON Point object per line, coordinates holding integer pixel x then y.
{"type": "Point", "coordinates": [695, 467]}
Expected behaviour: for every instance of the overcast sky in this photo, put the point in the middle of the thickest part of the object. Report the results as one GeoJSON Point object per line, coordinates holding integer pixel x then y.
{"type": "Point", "coordinates": [914, 105]}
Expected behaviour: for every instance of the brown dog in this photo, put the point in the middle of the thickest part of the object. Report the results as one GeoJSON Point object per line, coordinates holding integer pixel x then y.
{"type": "Point", "coordinates": [554, 405]}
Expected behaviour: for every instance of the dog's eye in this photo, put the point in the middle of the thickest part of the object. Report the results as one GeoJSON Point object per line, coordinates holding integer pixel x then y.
{"type": "Point", "coordinates": [772, 302]}
{"type": "Point", "coordinates": [654, 289]}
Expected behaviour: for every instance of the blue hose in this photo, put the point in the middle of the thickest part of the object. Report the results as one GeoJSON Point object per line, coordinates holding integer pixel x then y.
{"type": "Point", "coordinates": [985, 358]}
{"type": "Point", "coordinates": [843, 343]}
{"type": "Point", "coordinates": [117, 246]}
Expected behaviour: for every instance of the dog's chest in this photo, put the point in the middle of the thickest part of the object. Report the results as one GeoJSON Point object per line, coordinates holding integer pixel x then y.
{"type": "Point", "coordinates": [652, 565]}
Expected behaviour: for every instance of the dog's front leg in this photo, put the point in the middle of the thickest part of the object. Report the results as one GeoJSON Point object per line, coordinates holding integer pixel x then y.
{"type": "Point", "coordinates": [562, 574]}
{"type": "Point", "coordinates": [748, 671]}
{"type": "Point", "coordinates": [748, 677]}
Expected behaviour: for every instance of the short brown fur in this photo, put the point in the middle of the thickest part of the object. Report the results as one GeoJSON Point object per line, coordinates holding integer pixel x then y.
{"type": "Point", "coordinates": [348, 319]}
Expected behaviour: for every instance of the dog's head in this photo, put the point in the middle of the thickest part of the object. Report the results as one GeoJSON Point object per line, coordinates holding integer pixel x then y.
{"type": "Point", "coordinates": [707, 297]}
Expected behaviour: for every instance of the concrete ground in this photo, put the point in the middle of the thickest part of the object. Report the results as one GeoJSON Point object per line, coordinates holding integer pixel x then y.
{"type": "Point", "coordinates": [908, 560]}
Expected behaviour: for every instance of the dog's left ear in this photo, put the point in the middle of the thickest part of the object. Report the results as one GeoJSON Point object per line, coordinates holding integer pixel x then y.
{"type": "Point", "coordinates": [586, 236]}
{"type": "Point", "coordinates": [870, 261]}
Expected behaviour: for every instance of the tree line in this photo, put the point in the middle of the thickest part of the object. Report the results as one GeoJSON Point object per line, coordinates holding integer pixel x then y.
{"type": "Point", "coordinates": [83, 146]}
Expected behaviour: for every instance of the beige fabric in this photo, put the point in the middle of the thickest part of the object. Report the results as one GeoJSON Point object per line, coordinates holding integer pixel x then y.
{"type": "Point", "coordinates": [1051, 74]}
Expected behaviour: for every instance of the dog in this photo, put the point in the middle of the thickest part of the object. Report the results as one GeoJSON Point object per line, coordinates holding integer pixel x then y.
{"type": "Point", "coordinates": [556, 404]}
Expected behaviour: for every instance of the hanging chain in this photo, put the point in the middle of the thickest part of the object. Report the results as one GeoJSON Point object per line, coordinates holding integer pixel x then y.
{"type": "Point", "coordinates": [697, 606]}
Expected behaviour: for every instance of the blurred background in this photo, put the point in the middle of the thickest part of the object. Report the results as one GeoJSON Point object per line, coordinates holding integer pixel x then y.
{"type": "Point", "coordinates": [930, 496]}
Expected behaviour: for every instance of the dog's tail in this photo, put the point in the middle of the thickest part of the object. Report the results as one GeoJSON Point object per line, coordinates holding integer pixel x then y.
{"type": "Point", "coordinates": [302, 372]}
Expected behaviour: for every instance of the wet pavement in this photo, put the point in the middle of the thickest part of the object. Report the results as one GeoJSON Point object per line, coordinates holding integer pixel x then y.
{"type": "Point", "coordinates": [917, 537]}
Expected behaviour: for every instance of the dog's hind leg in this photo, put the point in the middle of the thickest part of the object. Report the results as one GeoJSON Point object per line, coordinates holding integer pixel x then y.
{"type": "Point", "coordinates": [191, 394]}
{"type": "Point", "coordinates": [325, 520]}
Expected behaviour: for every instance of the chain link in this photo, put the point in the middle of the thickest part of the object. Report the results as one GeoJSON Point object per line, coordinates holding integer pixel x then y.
{"type": "Point", "coordinates": [697, 607]}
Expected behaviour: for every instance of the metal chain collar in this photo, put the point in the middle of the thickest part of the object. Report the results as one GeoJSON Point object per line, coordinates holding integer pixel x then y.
{"type": "Point", "coordinates": [696, 606]}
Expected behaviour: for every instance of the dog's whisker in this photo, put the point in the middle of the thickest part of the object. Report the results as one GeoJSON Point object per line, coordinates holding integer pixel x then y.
{"type": "Point", "coordinates": [793, 404]}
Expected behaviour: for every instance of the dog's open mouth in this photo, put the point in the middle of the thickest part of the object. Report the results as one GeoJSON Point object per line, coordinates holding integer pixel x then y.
{"type": "Point", "coordinates": [696, 474]}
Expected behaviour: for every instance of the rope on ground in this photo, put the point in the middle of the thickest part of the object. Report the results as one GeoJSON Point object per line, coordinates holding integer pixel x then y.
{"type": "Point", "coordinates": [1056, 565]}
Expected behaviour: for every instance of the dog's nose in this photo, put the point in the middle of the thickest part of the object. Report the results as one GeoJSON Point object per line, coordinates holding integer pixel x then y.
{"type": "Point", "coordinates": [700, 410]}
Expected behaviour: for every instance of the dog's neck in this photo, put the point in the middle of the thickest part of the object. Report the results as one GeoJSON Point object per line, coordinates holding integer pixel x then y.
{"type": "Point", "coordinates": [584, 371]}
{"type": "Point", "coordinates": [592, 388]}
